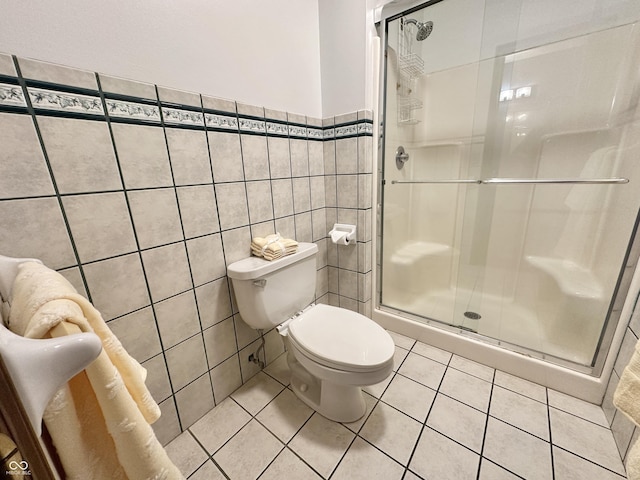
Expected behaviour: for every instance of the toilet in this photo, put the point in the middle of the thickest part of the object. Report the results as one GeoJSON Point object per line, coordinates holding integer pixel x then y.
{"type": "Point", "coordinates": [332, 352]}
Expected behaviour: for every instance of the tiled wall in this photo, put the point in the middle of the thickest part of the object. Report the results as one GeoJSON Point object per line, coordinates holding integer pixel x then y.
{"type": "Point", "coordinates": [348, 200]}
{"type": "Point", "coordinates": [624, 431]}
{"type": "Point", "coordinates": [142, 195]}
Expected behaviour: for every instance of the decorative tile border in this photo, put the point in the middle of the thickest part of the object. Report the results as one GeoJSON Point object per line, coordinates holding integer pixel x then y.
{"type": "Point", "coordinates": [297, 131]}
{"type": "Point", "coordinates": [65, 102]}
{"type": "Point", "coordinates": [365, 128]}
{"type": "Point", "coordinates": [12, 95]}
{"type": "Point", "coordinates": [250, 125]}
{"type": "Point", "coordinates": [346, 131]}
{"type": "Point", "coordinates": [133, 111]}
{"type": "Point", "coordinates": [315, 133]}
{"type": "Point", "coordinates": [123, 109]}
{"type": "Point", "coordinates": [360, 128]}
{"type": "Point", "coordinates": [328, 133]}
{"type": "Point", "coordinates": [224, 122]}
{"type": "Point", "coordinates": [279, 129]}
{"type": "Point", "coordinates": [182, 117]}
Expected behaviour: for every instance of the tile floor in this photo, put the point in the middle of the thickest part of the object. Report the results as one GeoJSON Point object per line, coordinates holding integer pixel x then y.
{"type": "Point", "coordinates": [438, 416]}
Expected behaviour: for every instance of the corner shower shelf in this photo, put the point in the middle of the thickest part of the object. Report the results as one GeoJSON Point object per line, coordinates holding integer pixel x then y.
{"type": "Point", "coordinates": [410, 253]}
{"type": "Point", "coordinates": [411, 64]}
{"type": "Point", "coordinates": [406, 106]}
{"type": "Point", "coordinates": [573, 279]}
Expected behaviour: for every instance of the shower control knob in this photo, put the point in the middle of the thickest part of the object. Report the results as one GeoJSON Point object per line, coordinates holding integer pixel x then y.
{"type": "Point", "coordinates": [401, 157]}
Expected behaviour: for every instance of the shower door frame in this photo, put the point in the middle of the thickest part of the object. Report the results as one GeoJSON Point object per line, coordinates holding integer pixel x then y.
{"type": "Point", "coordinates": [475, 346]}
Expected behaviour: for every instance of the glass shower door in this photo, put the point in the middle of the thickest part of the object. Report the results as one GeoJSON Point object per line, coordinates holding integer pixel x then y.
{"type": "Point", "coordinates": [513, 214]}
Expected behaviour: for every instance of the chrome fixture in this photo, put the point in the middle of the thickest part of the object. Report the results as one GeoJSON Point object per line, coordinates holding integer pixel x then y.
{"type": "Point", "coordinates": [424, 28]}
{"type": "Point", "coordinates": [401, 157]}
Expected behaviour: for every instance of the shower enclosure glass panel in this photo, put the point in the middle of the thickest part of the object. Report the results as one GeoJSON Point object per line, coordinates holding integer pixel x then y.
{"type": "Point", "coordinates": [513, 215]}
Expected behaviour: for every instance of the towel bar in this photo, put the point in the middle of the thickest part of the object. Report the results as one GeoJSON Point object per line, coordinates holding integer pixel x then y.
{"type": "Point", "coordinates": [38, 368]}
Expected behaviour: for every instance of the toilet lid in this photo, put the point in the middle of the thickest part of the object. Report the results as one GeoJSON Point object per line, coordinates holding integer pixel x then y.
{"type": "Point", "coordinates": [342, 339]}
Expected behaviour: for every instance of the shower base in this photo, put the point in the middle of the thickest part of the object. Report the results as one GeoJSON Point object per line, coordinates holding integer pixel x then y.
{"type": "Point", "coordinates": [500, 320]}
{"type": "Point", "coordinates": [461, 342]}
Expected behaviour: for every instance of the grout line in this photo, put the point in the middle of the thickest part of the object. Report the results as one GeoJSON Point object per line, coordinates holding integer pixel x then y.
{"type": "Point", "coordinates": [34, 119]}
{"type": "Point", "coordinates": [209, 456]}
{"type": "Point", "coordinates": [501, 467]}
{"type": "Point", "coordinates": [486, 424]}
{"type": "Point", "coordinates": [424, 424]}
{"type": "Point", "coordinates": [193, 296]}
{"type": "Point", "coordinates": [588, 460]}
{"type": "Point", "coordinates": [163, 351]}
{"type": "Point", "coordinates": [224, 253]}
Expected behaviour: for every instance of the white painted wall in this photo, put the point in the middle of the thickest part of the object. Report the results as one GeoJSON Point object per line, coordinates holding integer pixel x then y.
{"type": "Point", "coordinates": [343, 55]}
{"type": "Point", "coordinates": [257, 52]}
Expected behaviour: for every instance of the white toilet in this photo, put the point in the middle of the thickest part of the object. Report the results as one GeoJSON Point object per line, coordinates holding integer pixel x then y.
{"type": "Point", "coordinates": [332, 352]}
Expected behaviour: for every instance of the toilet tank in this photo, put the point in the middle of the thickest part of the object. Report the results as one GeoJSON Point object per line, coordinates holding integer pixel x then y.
{"type": "Point", "coordinates": [269, 292]}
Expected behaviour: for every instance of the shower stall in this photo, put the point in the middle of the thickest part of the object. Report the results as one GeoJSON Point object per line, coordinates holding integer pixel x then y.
{"type": "Point", "coordinates": [508, 180]}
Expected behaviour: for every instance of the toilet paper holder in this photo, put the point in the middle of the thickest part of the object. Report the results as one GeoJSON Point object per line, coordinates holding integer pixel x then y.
{"type": "Point", "coordinates": [343, 234]}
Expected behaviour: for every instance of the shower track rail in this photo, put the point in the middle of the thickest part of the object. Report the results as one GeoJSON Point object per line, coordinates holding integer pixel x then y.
{"type": "Point", "coordinates": [515, 181]}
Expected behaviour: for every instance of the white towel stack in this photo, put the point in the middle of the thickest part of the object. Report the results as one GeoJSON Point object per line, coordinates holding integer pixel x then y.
{"type": "Point", "coordinates": [273, 246]}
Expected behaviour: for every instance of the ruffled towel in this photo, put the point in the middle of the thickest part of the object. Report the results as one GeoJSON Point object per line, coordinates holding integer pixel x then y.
{"type": "Point", "coordinates": [273, 246]}
{"type": "Point", "coordinates": [99, 421]}
{"type": "Point", "coordinates": [626, 398]}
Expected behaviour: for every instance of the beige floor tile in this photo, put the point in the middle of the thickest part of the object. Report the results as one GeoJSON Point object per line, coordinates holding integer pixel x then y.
{"type": "Point", "coordinates": [466, 388]}
{"type": "Point", "coordinates": [431, 352]}
{"type": "Point", "coordinates": [285, 415]}
{"type": "Point", "coordinates": [491, 471]}
{"type": "Point", "coordinates": [575, 406]}
{"type": "Point", "coordinates": [322, 443]}
{"type": "Point", "coordinates": [392, 432]}
{"type": "Point", "coordinates": [521, 386]}
{"type": "Point", "coordinates": [410, 397]}
{"type": "Point", "coordinates": [440, 458]}
{"type": "Point", "coordinates": [249, 452]}
{"type": "Point", "coordinates": [254, 395]}
{"type": "Point", "coordinates": [520, 411]}
{"type": "Point", "coordinates": [571, 467]}
{"type": "Point", "coordinates": [585, 439]}
{"type": "Point", "coordinates": [186, 454]}
{"type": "Point", "coordinates": [472, 368]}
{"type": "Point", "coordinates": [220, 424]}
{"type": "Point", "coordinates": [288, 465]}
{"type": "Point", "coordinates": [517, 451]}
{"type": "Point", "coordinates": [367, 462]}
{"type": "Point", "coordinates": [458, 421]}
{"type": "Point", "coordinates": [423, 370]}
{"type": "Point", "coordinates": [208, 471]}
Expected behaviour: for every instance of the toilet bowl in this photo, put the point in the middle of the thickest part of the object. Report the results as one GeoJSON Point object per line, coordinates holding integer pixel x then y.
{"type": "Point", "coordinates": [331, 352]}
{"type": "Point", "coordinates": [342, 351]}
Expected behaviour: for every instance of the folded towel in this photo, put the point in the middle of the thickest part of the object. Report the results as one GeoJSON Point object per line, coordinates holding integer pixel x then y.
{"type": "Point", "coordinates": [626, 398]}
{"type": "Point", "coordinates": [99, 421]}
{"type": "Point", "coordinates": [273, 246]}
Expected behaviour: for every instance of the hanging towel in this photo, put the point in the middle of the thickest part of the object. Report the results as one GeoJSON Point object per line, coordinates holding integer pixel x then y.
{"type": "Point", "coordinates": [626, 398]}
{"type": "Point", "coordinates": [99, 421]}
{"type": "Point", "coordinates": [273, 246]}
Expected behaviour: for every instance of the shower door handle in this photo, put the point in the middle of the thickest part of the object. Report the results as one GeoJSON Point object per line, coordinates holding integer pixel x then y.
{"type": "Point", "coordinates": [522, 181]}
{"type": "Point", "coordinates": [577, 181]}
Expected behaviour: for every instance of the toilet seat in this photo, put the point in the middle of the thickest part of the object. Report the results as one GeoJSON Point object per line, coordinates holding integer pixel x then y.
{"type": "Point", "coordinates": [341, 339]}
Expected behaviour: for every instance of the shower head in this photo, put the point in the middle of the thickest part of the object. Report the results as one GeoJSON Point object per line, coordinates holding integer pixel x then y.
{"type": "Point", "coordinates": [424, 28]}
